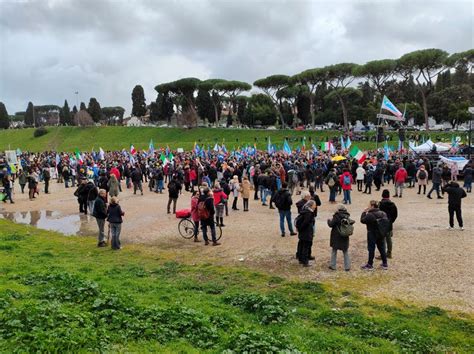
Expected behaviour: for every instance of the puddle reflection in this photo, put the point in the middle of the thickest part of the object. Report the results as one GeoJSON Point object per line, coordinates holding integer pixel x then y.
{"type": "Point", "coordinates": [51, 220]}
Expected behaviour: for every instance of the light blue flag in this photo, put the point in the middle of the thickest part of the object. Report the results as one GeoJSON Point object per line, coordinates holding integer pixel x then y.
{"type": "Point", "coordinates": [151, 147]}
{"type": "Point", "coordinates": [286, 148]}
{"type": "Point", "coordinates": [269, 146]}
{"type": "Point", "coordinates": [348, 143]}
{"type": "Point", "coordinates": [387, 151]}
{"type": "Point", "coordinates": [343, 146]}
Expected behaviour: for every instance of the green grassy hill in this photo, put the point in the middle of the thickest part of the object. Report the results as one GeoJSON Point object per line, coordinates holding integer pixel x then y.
{"type": "Point", "coordinates": [63, 294]}
{"type": "Point", "coordinates": [110, 138]}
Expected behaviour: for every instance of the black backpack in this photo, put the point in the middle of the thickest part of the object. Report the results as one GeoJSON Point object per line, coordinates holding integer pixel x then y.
{"type": "Point", "coordinates": [384, 226]}
{"type": "Point", "coordinates": [422, 174]}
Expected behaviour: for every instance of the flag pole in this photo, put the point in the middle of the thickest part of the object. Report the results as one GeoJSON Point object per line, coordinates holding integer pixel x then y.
{"type": "Point", "coordinates": [377, 128]}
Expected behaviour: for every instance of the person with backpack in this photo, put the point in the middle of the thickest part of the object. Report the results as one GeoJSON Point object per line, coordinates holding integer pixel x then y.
{"type": "Point", "coordinates": [206, 213]}
{"type": "Point", "coordinates": [332, 183]}
{"type": "Point", "coordinates": [115, 218]}
{"type": "Point", "coordinates": [282, 200]}
{"type": "Point", "coordinates": [369, 178]}
{"type": "Point", "coordinates": [341, 229]}
{"type": "Point", "coordinates": [378, 226]}
{"type": "Point", "coordinates": [422, 179]}
{"type": "Point", "coordinates": [455, 195]}
{"type": "Point", "coordinates": [345, 180]}
{"type": "Point", "coordinates": [100, 214]}
{"type": "Point", "coordinates": [174, 187]}
{"type": "Point", "coordinates": [468, 172]}
{"type": "Point", "coordinates": [389, 208]}
{"type": "Point", "coordinates": [305, 225]}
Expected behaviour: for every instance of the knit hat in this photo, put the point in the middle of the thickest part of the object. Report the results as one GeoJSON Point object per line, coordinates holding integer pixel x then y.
{"type": "Point", "coordinates": [385, 193]}
{"type": "Point", "coordinates": [341, 208]}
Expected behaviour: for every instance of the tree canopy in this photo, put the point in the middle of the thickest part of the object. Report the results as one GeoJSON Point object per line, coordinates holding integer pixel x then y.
{"type": "Point", "coordinates": [138, 101]}
{"type": "Point", "coordinates": [4, 118]}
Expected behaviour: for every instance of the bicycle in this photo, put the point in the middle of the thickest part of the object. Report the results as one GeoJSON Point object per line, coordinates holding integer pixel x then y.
{"type": "Point", "coordinates": [186, 229]}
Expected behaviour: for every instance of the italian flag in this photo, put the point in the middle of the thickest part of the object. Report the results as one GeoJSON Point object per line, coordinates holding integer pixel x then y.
{"type": "Point", "coordinates": [133, 151]}
{"type": "Point", "coordinates": [78, 156]}
{"type": "Point", "coordinates": [357, 154]}
{"type": "Point", "coordinates": [164, 159]}
{"type": "Point", "coordinates": [326, 146]}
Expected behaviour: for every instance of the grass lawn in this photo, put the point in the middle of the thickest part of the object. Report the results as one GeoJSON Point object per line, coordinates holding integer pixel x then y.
{"type": "Point", "coordinates": [117, 138]}
{"type": "Point", "coordinates": [61, 293]}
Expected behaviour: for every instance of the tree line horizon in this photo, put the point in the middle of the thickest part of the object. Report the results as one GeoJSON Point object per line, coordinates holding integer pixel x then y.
{"type": "Point", "coordinates": [427, 81]}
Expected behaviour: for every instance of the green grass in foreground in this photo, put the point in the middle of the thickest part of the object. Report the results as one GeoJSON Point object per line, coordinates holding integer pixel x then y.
{"type": "Point", "coordinates": [117, 138]}
{"type": "Point", "coordinates": [62, 294]}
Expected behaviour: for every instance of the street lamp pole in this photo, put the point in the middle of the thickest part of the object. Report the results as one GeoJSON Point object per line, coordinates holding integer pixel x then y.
{"type": "Point", "coordinates": [471, 111]}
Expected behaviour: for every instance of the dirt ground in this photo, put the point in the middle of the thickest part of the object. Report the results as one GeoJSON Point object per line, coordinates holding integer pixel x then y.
{"type": "Point", "coordinates": [430, 265]}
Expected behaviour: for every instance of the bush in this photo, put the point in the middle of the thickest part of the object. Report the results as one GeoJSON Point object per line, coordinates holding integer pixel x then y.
{"type": "Point", "coordinates": [40, 132]}
{"type": "Point", "coordinates": [250, 341]}
{"type": "Point", "coordinates": [269, 309]}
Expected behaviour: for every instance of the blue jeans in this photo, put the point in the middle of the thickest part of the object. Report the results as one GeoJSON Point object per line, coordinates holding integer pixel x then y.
{"type": "Point", "coordinates": [285, 214]}
{"type": "Point", "coordinates": [115, 229]}
{"type": "Point", "coordinates": [265, 192]}
{"type": "Point", "coordinates": [159, 186]}
{"type": "Point", "coordinates": [347, 196]}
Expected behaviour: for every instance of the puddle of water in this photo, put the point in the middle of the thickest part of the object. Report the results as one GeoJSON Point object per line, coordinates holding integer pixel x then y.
{"type": "Point", "coordinates": [51, 220]}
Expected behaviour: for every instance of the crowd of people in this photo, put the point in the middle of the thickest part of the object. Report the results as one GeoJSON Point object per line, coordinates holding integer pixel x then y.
{"type": "Point", "coordinates": [216, 181]}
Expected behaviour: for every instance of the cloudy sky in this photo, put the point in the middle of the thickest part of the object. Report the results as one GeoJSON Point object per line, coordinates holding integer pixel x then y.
{"type": "Point", "coordinates": [49, 49]}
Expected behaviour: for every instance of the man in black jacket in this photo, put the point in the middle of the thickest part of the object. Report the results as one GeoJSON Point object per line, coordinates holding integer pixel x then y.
{"type": "Point", "coordinates": [283, 202]}
{"type": "Point", "coordinates": [208, 200]}
{"type": "Point", "coordinates": [370, 218]}
{"type": "Point", "coordinates": [174, 187]}
{"type": "Point", "coordinates": [137, 177]}
{"type": "Point", "coordinates": [389, 207]}
{"type": "Point", "coordinates": [100, 214]}
{"type": "Point", "coordinates": [455, 195]}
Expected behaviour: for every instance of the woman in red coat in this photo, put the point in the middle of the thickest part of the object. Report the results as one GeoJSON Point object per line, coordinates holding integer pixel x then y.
{"type": "Point", "coordinates": [345, 180]}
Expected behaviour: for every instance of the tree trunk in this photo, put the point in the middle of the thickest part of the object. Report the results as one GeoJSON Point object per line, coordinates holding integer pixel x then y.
{"type": "Point", "coordinates": [311, 109]}
{"type": "Point", "coordinates": [216, 115]}
{"type": "Point", "coordinates": [344, 113]}
{"type": "Point", "coordinates": [425, 110]}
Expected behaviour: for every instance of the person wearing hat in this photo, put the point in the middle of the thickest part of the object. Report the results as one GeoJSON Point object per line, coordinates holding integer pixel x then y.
{"type": "Point", "coordinates": [337, 241]}
{"type": "Point", "coordinates": [389, 207]}
{"type": "Point", "coordinates": [422, 179]}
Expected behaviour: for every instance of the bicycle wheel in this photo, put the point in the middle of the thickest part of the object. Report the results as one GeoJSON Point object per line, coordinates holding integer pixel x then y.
{"type": "Point", "coordinates": [186, 228]}
{"type": "Point", "coordinates": [218, 232]}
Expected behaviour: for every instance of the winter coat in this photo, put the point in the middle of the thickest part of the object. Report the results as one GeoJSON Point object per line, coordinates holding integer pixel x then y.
{"type": "Point", "coordinates": [389, 207]}
{"type": "Point", "coordinates": [22, 178]}
{"type": "Point", "coordinates": [422, 182]}
{"type": "Point", "coordinates": [245, 189]}
{"type": "Point", "coordinates": [370, 217]}
{"type": "Point", "coordinates": [173, 188]}
{"type": "Point", "coordinates": [194, 210]}
{"type": "Point", "coordinates": [136, 175]}
{"type": "Point", "coordinates": [455, 194]}
{"type": "Point", "coordinates": [219, 195]}
{"type": "Point", "coordinates": [341, 181]}
{"type": "Point", "coordinates": [209, 203]}
{"type": "Point", "coordinates": [113, 186]}
{"type": "Point", "coordinates": [401, 175]}
{"type": "Point", "coordinates": [306, 229]}
{"type": "Point", "coordinates": [114, 214]}
{"type": "Point", "coordinates": [337, 241]}
{"type": "Point", "coordinates": [467, 174]}
{"type": "Point", "coordinates": [437, 172]}
{"type": "Point", "coordinates": [283, 197]}
{"type": "Point", "coordinates": [100, 208]}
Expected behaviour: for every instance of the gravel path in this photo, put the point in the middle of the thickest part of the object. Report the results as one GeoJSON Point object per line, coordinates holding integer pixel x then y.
{"type": "Point", "coordinates": [430, 265]}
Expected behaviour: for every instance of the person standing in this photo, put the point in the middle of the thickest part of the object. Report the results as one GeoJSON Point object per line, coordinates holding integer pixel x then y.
{"type": "Point", "coordinates": [468, 172]}
{"type": "Point", "coordinates": [100, 214]}
{"type": "Point", "coordinates": [46, 178]}
{"type": "Point", "coordinates": [206, 213]}
{"type": "Point", "coordinates": [370, 217]}
{"type": "Point", "coordinates": [332, 182]}
{"type": "Point", "coordinates": [113, 185]}
{"type": "Point", "coordinates": [389, 208]}
{"type": "Point", "coordinates": [22, 179]}
{"type": "Point", "coordinates": [174, 187]}
{"type": "Point", "coordinates": [400, 178]}
{"type": "Point", "coordinates": [220, 198]}
{"type": "Point", "coordinates": [195, 214]}
{"type": "Point", "coordinates": [305, 227]}
{"type": "Point", "coordinates": [245, 190]}
{"type": "Point", "coordinates": [360, 173]}
{"type": "Point", "coordinates": [235, 188]}
{"type": "Point", "coordinates": [436, 179]}
{"type": "Point", "coordinates": [137, 176]}
{"type": "Point", "coordinates": [422, 178]}
{"type": "Point", "coordinates": [7, 186]}
{"type": "Point", "coordinates": [345, 180]}
{"type": "Point", "coordinates": [338, 241]}
{"type": "Point", "coordinates": [115, 218]}
{"type": "Point", "coordinates": [31, 185]}
{"type": "Point", "coordinates": [455, 195]}
{"type": "Point", "coordinates": [283, 202]}
{"type": "Point", "coordinates": [369, 178]}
